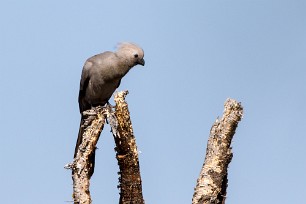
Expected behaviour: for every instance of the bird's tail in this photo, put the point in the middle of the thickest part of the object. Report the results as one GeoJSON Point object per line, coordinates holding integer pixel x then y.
{"type": "Point", "coordinates": [80, 136]}
{"type": "Point", "coordinates": [91, 157]}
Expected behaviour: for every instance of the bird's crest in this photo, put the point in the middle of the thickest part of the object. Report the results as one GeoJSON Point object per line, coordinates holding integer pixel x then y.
{"type": "Point", "coordinates": [126, 47]}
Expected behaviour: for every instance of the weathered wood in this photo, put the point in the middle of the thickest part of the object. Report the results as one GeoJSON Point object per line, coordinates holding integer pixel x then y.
{"type": "Point", "coordinates": [82, 165]}
{"type": "Point", "coordinates": [212, 182]}
{"type": "Point", "coordinates": [126, 152]}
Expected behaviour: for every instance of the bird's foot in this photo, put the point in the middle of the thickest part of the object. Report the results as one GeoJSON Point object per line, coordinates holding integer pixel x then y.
{"type": "Point", "coordinates": [108, 105]}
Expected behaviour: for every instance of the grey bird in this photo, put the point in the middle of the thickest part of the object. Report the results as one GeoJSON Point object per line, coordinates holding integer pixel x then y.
{"type": "Point", "coordinates": [101, 76]}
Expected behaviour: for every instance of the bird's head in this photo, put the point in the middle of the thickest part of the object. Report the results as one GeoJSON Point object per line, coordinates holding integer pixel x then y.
{"type": "Point", "coordinates": [131, 53]}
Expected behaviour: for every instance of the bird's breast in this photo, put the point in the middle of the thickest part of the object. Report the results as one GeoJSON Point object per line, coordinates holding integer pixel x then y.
{"type": "Point", "coordinates": [100, 91]}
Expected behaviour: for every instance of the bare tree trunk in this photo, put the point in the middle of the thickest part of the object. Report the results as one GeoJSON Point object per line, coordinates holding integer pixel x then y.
{"type": "Point", "coordinates": [212, 182]}
{"type": "Point", "coordinates": [81, 166]}
{"type": "Point", "coordinates": [127, 154]}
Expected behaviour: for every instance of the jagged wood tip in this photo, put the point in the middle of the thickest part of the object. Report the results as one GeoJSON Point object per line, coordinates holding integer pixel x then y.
{"type": "Point", "coordinates": [212, 182]}
{"type": "Point", "coordinates": [82, 167]}
{"type": "Point", "coordinates": [130, 184]}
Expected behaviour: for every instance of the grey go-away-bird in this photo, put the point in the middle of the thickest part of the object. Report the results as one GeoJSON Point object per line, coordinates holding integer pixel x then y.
{"type": "Point", "coordinates": [101, 76]}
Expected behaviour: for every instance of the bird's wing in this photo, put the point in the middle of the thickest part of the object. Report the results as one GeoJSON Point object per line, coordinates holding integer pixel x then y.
{"type": "Point", "coordinates": [83, 105]}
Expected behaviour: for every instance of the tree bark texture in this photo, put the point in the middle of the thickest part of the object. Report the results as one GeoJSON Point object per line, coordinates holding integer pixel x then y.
{"type": "Point", "coordinates": [81, 166]}
{"type": "Point", "coordinates": [126, 152]}
{"type": "Point", "coordinates": [212, 182]}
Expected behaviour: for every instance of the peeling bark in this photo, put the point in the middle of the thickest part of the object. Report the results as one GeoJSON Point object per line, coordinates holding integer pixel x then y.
{"type": "Point", "coordinates": [81, 165]}
{"type": "Point", "coordinates": [212, 182]}
{"type": "Point", "coordinates": [126, 152]}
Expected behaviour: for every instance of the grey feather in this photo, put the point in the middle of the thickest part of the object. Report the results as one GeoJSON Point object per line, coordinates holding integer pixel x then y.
{"type": "Point", "coordinates": [101, 76]}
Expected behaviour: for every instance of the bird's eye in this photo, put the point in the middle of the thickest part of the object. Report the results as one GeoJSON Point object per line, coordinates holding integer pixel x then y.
{"type": "Point", "coordinates": [136, 55]}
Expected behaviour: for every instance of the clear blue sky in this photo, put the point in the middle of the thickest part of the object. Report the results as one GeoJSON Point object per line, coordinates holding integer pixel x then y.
{"type": "Point", "coordinates": [198, 53]}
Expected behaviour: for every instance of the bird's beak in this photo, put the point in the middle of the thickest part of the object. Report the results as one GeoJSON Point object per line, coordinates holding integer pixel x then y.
{"type": "Point", "coordinates": [141, 62]}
